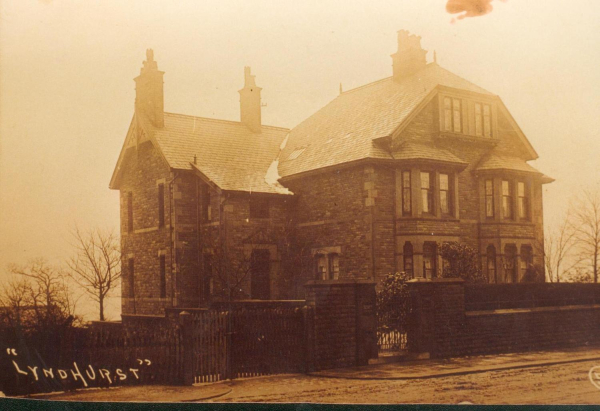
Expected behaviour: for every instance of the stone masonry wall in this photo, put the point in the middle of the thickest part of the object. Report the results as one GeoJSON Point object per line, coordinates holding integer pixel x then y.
{"type": "Point", "coordinates": [445, 329]}
{"type": "Point", "coordinates": [143, 171]}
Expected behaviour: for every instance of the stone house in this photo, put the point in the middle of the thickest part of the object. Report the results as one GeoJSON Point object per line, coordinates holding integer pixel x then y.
{"type": "Point", "coordinates": [370, 184]}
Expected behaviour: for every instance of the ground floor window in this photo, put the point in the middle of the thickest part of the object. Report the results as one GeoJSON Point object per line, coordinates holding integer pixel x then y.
{"type": "Point", "coordinates": [491, 264]}
{"type": "Point", "coordinates": [408, 259]}
{"type": "Point", "coordinates": [510, 263]}
{"type": "Point", "coordinates": [526, 259]}
{"type": "Point", "coordinates": [429, 259]}
{"type": "Point", "coordinates": [327, 266]}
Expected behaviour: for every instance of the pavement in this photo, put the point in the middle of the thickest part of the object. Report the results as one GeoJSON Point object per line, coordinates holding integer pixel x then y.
{"type": "Point", "coordinates": [422, 369]}
{"type": "Point", "coordinates": [286, 387]}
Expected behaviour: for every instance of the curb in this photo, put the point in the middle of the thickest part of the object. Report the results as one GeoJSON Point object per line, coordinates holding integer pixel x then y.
{"type": "Point", "coordinates": [209, 397]}
{"type": "Point", "coordinates": [462, 372]}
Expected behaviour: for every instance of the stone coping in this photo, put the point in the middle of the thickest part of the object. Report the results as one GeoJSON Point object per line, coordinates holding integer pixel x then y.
{"type": "Point", "coordinates": [532, 310]}
{"type": "Point", "coordinates": [436, 281]}
{"type": "Point", "coordinates": [341, 283]}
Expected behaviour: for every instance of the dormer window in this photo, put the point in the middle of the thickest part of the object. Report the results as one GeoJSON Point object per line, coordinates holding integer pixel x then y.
{"type": "Point", "coordinates": [483, 120]}
{"type": "Point", "coordinates": [452, 115]}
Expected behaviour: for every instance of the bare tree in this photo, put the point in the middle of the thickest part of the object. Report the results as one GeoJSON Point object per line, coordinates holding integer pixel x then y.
{"type": "Point", "coordinates": [39, 296]}
{"type": "Point", "coordinates": [586, 223]}
{"type": "Point", "coordinates": [558, 247]}
{"type": "Point", "coordinates": [96, 265]}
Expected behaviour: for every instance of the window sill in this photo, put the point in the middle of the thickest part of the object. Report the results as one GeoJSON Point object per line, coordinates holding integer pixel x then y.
{"type": "Point", "coordinates": [430, 218]}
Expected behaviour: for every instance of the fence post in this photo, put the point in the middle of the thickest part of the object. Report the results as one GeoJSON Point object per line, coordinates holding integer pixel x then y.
{"type": "Point", "coordinates": [187, 346]}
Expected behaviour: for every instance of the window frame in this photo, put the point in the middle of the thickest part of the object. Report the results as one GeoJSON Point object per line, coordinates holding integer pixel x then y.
{"type": "Point", "coordinates": [406, 192]}
{"type": "Point", "coordinates": [430, 249]}
{"type": "Point", "coordinates": [452, 109]}
{"type": "Point", "coordinates": [523, 202]}
{"type": "Point", "coordinates": [449, 194]}
{"type": "Point", "coordinates": [491, 256]}
{"type": "Point", "coordinates": [508, 211]}
{"type": "Point", "coordinates": [490, 198]}
{"type": "Point", "coordinates": [408, 262]}
{"type": "Point", "coordinates": [427, 196]}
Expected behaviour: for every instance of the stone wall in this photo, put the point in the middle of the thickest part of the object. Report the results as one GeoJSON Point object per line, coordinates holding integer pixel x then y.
{"type": "Point", "coordinates": [344, 322]}
{"type": "Point", "coordinates": [444, 329]}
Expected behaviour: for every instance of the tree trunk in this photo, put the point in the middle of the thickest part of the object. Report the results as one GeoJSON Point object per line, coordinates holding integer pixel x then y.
{"type": "Point", "coordinates": [101, 309]}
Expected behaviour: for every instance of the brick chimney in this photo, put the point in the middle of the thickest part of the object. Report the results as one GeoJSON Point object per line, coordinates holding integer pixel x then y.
{"type": "Point", "coordinates": [410, 56]}
{"type": "Point", "coordinates": [250, 102]}
{"type": "Point", "coordinates": [149, 98]}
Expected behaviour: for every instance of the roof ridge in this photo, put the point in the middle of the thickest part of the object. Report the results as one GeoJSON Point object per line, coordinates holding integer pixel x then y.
{"type": "Point", "coordinates": [219, 120]}
{"type": "Point", "coordinates": [464, 79]}
{"type": "Point", "coordinates": [365, 85]}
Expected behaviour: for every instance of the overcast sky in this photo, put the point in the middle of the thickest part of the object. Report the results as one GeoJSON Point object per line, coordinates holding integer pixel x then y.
{"type": "Point", "coordinates": [67, 90]}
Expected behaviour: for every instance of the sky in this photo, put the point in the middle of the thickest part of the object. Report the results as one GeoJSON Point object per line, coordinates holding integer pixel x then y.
{"type": "Point", "coordinates": [67, 90]}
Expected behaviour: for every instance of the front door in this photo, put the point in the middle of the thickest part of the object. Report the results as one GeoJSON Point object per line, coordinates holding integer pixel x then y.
{"type": "Point", "coordinates": [260, 282]}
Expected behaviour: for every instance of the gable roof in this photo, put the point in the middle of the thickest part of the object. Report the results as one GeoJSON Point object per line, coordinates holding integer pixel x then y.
{"type": "Point", "coordinates": [411, 150]}
{"type": "Point", "coordinates": [344, 130]}
{"type": "Point", "coordinates": [227, 152]}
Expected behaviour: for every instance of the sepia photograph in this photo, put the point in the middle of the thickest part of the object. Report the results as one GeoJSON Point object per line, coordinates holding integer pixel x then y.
{"type": "Point", "coordinates": [299, 203]}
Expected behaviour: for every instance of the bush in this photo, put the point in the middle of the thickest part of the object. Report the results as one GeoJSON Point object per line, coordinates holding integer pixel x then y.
{"type": "Point", "coordinates": [393, 303]}
{"type": "Point", "coordinates": [461, 261]}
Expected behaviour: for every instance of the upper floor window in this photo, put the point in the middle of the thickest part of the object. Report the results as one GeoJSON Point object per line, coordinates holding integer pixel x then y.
{"type": "Point", "coordinates": [161, 205]}
{"type": "Point", "coordinates": [523, 200]}
{"type": "Point", "coordinates": [406, 200]}
{"type": "Point", "coordinates": [426, 193]}
{"type": "Point", "coordinates": [507, 199]}
{"type": "Point", "coordinates": [489, 198]}
{"type": "Point", "coordinates": [452, 114]}
{"type": "Point", "coordinates": [130, 212]}
{"type": "Point", "coordinates": [445, 194]}
{"type": "Point", "coordinates": [259, 207]}
{"type": "Point", "coordinates": [483, 120]}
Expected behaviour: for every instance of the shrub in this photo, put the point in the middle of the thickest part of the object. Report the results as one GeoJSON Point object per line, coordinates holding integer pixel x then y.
{"type": "Point", "coordinates": [461, 261]}
{"type": "Point", "coordinates": [393, 303]}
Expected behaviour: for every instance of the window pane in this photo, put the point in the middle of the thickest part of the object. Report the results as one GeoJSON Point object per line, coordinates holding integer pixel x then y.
{"type": "Point", "coordinates": [447, 114]}
{"type": "Point", "coordinates": [425, 198]}
{"type": "Point", "coordinates": [334, 261]}
{"type": "Point", "coordinates": [505, 188]}
{"type": "Point", "coordinates": [424, 180]}
{"type": "Point", "coordinates": [521, 189]}
{"type": "Point", "coordinates": [487, 123]}
{"type": "Point", "coordinates": [406, 206]}
{"type": "Point", "coordinates": [489, 187]}
{"type": "Point", "coordinates": [322, 267]}
{"type": "Point", "coordinates": [456, 118]}
{"type": "Point", "coordinates": [489, 206]}
{"type": "Point", "coordinates": [443, 181]}
{"type": "Point", "coordinates": [444, 202]}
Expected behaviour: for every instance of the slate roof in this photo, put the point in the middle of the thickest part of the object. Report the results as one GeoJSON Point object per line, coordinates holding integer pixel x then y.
{"type": "Point", "coordinates": [344, 130]}
{"type": "Point", "coordinates": [415, 151]}
{"type": "Point", "coordinates": [501, 162]}
{"type": "Point", "coordinates": [227, 152]}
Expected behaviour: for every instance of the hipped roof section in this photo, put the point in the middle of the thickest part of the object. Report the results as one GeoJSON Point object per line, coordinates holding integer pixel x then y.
{"type": "Point", "coordinates": [345, 129]}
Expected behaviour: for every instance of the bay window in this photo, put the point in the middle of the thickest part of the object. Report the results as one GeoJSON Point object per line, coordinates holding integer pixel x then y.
{"type": "Point", "coordinates": [426, 193]}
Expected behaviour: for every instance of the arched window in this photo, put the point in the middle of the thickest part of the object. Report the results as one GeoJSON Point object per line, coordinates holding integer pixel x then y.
{"type": "Point", "coordinates": [408, 259]}
{"type": "Point", "coordinates": [510, 263]}
{"type": "Point", "coordinates": [526, 259]}
{"type": "Point", "coordinates": [491, 264]}
{"type": "Point", "coordinates": [429, 259]}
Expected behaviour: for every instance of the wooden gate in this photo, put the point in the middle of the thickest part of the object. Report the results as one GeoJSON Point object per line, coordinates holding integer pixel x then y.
{"type": "Point", "coordinates": [247, 342]}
